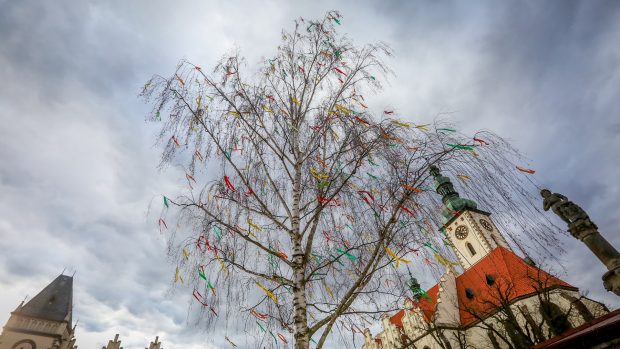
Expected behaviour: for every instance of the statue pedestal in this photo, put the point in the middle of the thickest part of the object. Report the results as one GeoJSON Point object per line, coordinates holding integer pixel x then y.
{"type": "Point", "coordinates": [586, 231]}
{"type": "Point", "coordinates": [611, 279]}
{"type": "Point", "coordinates": [581, 227]}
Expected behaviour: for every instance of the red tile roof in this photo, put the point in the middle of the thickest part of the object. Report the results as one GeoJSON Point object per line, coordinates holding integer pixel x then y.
{"type": "Point", "coordinates": [397, 319]}
{"type": "Point", "coordinates": [514, 278]}
{"type": "Point", "coordinates": [428, 307]}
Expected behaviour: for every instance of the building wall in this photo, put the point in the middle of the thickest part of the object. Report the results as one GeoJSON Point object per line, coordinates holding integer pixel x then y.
{"type": "Point", "coordinates": [418, 330]}
{"type": "Point", "coordinates": [41, 332]}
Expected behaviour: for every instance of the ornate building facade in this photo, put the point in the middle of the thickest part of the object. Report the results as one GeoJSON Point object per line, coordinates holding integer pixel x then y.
{"type": "Point", "coordinates": [500, 300]}
{"type": "Point", "coordinates": [45, 322]}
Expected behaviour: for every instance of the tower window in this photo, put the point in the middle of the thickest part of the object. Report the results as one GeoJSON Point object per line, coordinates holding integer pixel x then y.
{"type": "Point", "coordinates": [470, 247]}
{"type": "Point", "coordinates": [490, 279]}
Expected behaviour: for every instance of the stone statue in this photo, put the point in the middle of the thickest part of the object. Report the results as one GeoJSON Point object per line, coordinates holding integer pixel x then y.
{"type": "Point", "coordinates": [581, 227]}
{"type": "Point", "coordinates": [560, 205]}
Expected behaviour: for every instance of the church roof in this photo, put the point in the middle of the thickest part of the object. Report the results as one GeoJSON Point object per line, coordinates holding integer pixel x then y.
{"type": "Point", "coordinates": [53, 302]}
{"type": "Point", "coordinates": [512, 275]}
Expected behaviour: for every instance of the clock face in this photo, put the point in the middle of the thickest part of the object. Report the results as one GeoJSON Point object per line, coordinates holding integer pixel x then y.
{"type": "Point", "coordinates": [461, 232]}
{"type": "Point", "coordinates": [486, 225]}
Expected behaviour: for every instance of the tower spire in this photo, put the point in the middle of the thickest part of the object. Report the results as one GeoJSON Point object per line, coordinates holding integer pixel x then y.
{"type": "Point", "coordinates": [452, 202]}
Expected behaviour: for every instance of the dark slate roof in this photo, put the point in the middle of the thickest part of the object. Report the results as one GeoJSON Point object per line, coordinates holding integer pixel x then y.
{"type": "Point", "coordinates": [53, 303]}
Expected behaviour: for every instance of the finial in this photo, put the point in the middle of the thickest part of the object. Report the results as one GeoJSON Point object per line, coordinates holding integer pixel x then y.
{"type": "Point", "coordinates": [451, 200]}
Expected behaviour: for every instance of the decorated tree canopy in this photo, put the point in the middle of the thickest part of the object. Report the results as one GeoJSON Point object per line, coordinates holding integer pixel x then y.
{"type": "Point", "coordinates": [319, 206]}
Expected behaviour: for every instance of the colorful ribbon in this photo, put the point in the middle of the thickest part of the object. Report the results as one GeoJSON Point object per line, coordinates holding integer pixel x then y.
{"type": "Point", "coordinates": [526, 170]}
{"type": "Point", "coordinates": [269, 293]}
{"type": "Point", "coordinates": [396, 258]}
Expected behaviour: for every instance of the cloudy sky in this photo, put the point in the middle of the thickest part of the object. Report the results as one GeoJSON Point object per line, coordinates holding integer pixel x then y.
{"type": "Point", "coordinates": [78, 161]}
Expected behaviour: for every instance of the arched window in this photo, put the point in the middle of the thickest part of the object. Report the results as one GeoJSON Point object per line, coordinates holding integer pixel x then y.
{"type": "Point", "coordinates": [555, 317]}
{"type": "Point", "coordinates": [24, 344]}
{"type": "Point", "coordinates": [471, 249]}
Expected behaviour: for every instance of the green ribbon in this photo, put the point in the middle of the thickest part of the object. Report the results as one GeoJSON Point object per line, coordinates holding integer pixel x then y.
{"type": "Point", "coordinates": [446, 129]}
{"type": "Point", "coordinates": [349, 255]}
{"type": "Point", "coordinates": [428, 244]}
{"type": "Point", "coordinates": [317, 257]}
{"type": "Point", "coordinates": [337, 260]}
{"type": "Point", "coordinates": [458, 146]}
{"type": "Point", "coordinates": [261, 326]}
{"type": "Point", "coordinates": [322, 184]}
{"type": "Point", "coordinates": [218, 232]}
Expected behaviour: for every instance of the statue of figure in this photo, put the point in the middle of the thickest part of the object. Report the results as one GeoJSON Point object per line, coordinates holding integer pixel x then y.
{"type": "Point", "coordinates": [560, 205]}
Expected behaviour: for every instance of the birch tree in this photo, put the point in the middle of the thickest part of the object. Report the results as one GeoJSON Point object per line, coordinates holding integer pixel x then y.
{"type": "Point", "coordinates": [301, 206]}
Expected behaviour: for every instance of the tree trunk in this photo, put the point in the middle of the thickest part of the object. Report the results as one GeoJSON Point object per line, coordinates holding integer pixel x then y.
{"type": "Point", "coordinates": [299, 287]}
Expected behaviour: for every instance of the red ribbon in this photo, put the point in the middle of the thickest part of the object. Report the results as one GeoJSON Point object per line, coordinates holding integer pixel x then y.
{"type": "Point", "coordinates": [407, 210]}
{"type": "Point", "coordinates": [481, 141]}
{"type": "Point", "coordinates": [228, 184]}
{"type": "Point", "coordinates": [328, 202]}
{"type": "Point", "coordinates": [366, 198]}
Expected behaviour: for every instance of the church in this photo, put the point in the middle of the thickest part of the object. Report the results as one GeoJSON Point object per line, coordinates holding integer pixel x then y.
{"type": "Point", "coordinates": [45, 321]}
{"type": "Point", "coordinates": [500, 300]}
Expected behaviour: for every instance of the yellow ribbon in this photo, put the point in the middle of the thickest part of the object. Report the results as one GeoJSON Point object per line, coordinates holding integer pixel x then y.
{"type": "Point", "coordinates": [398, 259]}
{"type": "Point", "coordinates": [318, 175]}
{"type": "Point", "coordinates": [177, 277]}
{"type": "Point", "coordinates": [423, 127]}
{"type": "Point", "coordinates": [267, 108]}
{"type": "Point", "coordinates": [343, 109]}
{"type": "Point", "coordinates": [441, 259]}
{"type": "Point", "coordinates": [295, 100]}
{"type": "Point", "coordinates": [221, 263]}
{"type": "Point", "coordinates": [254, 225]}
{"type": "Point", "coordinates": [399, 123]}
{"type": "Point", "coordinates": [271, 295]}
{"type": "Point", "coordinates": [185, 253]}
{"type": "Point", "coordinates": [329, 290]}
{"type": "Point", "coordinates": [334, 134]}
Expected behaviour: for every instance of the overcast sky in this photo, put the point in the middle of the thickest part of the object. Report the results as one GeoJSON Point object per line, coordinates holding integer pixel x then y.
{"type": "Point", "coordinates": [78, 161]}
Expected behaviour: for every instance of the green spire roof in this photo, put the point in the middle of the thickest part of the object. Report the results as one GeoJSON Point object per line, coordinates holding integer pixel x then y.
{"type": "Point", "coordinates": [452, 202]}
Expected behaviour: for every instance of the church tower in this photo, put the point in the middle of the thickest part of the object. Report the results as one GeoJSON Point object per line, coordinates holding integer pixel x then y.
{"type": "Point", "coordinates": [45, 321]}
{"type": "Point", "coordinates": [470, 230]}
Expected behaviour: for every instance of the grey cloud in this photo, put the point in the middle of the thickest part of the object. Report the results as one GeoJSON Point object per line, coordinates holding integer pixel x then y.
{"type": "Point", "coordinates": [79, 164]}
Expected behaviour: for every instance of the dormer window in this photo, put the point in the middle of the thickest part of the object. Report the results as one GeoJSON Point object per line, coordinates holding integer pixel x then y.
{"type": "Point", "coordinates": [469, 293]}
{"type": "Point", "coordinates": [471, 249]}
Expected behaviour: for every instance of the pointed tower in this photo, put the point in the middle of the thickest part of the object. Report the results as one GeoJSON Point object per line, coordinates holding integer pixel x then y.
{"type": "Point", "coordinates": [156, 344]}
{"type": "Point", "coordinates": [45, 321]}
{"type": "Point", "coordinates": [115, 344]}
{"type": "Point", "coordinates": [470, 230]}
